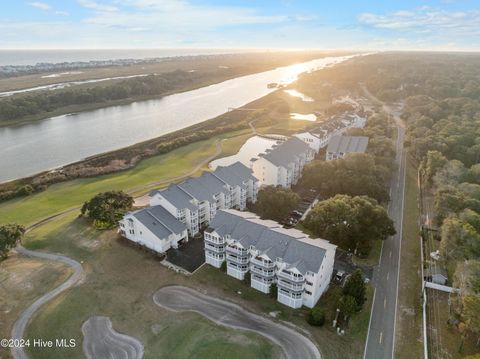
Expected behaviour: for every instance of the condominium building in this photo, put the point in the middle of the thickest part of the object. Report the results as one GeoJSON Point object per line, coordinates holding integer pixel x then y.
{"type": "Point", "coordinates": [283, 164]}
{"type": "Point", "coordinates": [299, 266]}
{"type": "Point", "coordinates": [154, 228]}
{"type": "Point", "coordinates": [339, 146]}
{"type": "Point", "coordinates": [195, 201]}
{"type": "Point", "coordinates": [320, 136]}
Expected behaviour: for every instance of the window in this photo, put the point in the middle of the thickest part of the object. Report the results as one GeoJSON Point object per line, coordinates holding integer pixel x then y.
{"type": "Point", "coordinates": [308, 292]}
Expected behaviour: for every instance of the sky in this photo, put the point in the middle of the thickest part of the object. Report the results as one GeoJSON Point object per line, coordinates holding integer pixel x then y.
{"type": "Point", "coordinates": [291, 24]}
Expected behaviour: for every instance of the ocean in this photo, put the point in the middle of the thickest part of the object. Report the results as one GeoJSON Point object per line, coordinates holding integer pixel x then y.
{"type": "Point", "coordinates": [32, 57]}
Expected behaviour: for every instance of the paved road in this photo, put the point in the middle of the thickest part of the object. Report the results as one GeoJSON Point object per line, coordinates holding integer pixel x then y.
{"type": "Point", "coordinates": [381, 334]}
{"type": "Point", "coordinates": [102, 342]}
{"type": "Point", "coordinates": [178, 298]}
{"type": "Point", "coordinates": [18, 329]}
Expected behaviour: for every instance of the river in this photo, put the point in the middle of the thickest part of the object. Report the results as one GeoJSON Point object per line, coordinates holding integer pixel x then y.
{"type": "Point", "coordinates": [54, 142]}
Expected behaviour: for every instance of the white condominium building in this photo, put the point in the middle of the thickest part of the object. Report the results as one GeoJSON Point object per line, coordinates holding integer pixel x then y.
{"type": "Point", "coordinates": [301, 267]}
{"type": "Point", "coordinates": [195, 201]}
{"type": "Point", "coordinates": [154, 228]}
{"type": "Point", "coordinates": [283, 164]}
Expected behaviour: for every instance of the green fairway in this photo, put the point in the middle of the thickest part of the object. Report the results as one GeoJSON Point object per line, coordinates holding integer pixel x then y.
{"type": "Point", "coordinates": [63, 196]}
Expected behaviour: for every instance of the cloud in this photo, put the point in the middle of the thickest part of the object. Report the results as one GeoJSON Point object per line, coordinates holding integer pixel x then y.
{"type": "Point", "coordinates": [48, 8]}
{"type": "Point", "coordinates": [426, 20]}
{"type": "Point", "coordinates": [93, 5]}
{"type": "Point", "coordinates": [173, 15]}
{"type": "Point", "coordinates": [40, 5]}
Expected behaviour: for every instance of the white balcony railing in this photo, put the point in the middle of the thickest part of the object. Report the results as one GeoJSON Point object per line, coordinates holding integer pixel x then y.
{"type": "Point", "coordinates": [216, 240]}
{"type": "Point", "coordinates": [266, 281]}
{"type": "Point", "coordinates": [243, 269]}
{"type": "Point", "coordinates": [290, 276]}
{"type": "Point", "coordinates": [291, 286]}
{"type": "Point", "coordinates": [263, 263]}
{"type": "Point", "coordinates": [213, 248]}
{"type": "Point", "coordinates": [242, 260]}
{"type": "Point", "coordinates": [261, 271]}
{"type": "Point", "coordinates": [238, 251]}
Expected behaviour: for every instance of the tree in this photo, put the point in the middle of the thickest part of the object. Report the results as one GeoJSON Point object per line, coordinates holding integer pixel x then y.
{"type": "Point", "coordinates": [471, 313]}
{"type": "Point", "coordinates": [459, 240]}
{"type": "Point", "coordinates": [350, 222]}
{"type": "Point", "coordinates": [347, 305]}
{"type": "Point", "coordinates": [355, 287]}
{"type": "Point", "coordinates": [10, 235]}
{"type": "Point", "coordinates": [247, 278]}
{"type": "Point", "coordinates": [356, 174]}
{"type": "Point", "coordinates": [276, 202]}
{"type": "Point", "coordinates": [273, 290]}
{"type": "Point", "coordinates": [316, 316]}
{"type": "Point", "coordinates": [107, 208]}
{"type": "Point", "coordinates": [435, 160]}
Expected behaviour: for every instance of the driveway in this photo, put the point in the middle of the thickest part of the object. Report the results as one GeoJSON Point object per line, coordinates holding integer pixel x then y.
{"type": "Point", "coordinates": [178, 298]}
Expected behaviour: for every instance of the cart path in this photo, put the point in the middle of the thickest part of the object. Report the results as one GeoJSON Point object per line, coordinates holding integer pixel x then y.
{"type": "Point", "coordinates": [179, 298]}
{"type": "Point", "coordinates": [18, 330]}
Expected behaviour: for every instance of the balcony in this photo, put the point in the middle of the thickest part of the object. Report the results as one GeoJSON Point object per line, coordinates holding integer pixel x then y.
{"type": "Point", "coordinates": [292, 286]}
{"type": "Point", "coordinates": [217, 257]}
{"type": "Point", "coordinates": [262, 272]}
{"type": "Point", "coordinates": [220, 249]}
{"type": "Point", "coordinates": [266, 281]}
{"type": "Point", "coordinates": [237, 251]}
{"type": "Point", "coordinates": [290, 294]}
{"type": "Point", "coordinates": [240, 268]}
{"type": "Point", "coordinates": [216, 240]}
{"type": "Point", "coordinates": [290, 276]}
{"type": "Point", "coordinates": [263, 263]}
{"type": "Point", "coordinates": [234, 258]}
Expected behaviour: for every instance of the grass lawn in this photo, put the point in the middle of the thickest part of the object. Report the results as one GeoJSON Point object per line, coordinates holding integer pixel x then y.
{"type": "Point", "coordinates": [22, 280]}
{"type": "Point", "coordinates": [120, 282]}
{"type": "Point", "coordinates": [409, 342]}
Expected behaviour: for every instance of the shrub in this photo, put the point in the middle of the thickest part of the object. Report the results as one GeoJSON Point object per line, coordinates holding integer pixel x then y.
{"type": "Point", "coordinates": [316, 316]}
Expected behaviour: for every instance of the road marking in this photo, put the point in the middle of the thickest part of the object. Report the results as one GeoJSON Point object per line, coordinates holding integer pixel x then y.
{"type": "Point", "coordinates": [370, 321]}
{"type": "Point", "coordinates": [390, 254]}
{"type": "Point", "coordinates": [385, 302]}
{"type": "Point", "coordinates": [380, 340]}
{"type": "Point", "coordinates": [400, 248]}
{"type": "Point", "coordinates": [388, 275]}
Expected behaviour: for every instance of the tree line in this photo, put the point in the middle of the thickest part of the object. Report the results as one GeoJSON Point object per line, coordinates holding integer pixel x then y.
{"type": "Point", "coordinates": [441, 97]}
{"type": "Point", "coordinates": [18, 107]}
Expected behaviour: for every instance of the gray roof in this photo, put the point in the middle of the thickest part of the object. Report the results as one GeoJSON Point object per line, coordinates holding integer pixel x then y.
{"type": "Point", "coordinates": [235, 174]}
{"type": "Point", "coordinates": [286, 152]}
{"type": "Point", "coordinates": [436, 271]}
{"type": "Point", "coordinates": [346, 144]}
{"type": "Point", "coordinates": [159, 221]}
{"type": "Point", "coordinates": [249, 230]}
{"type": "Point", "coordinates": [203, 188]}
{"type": "Point", "coordinates": [178, 197]}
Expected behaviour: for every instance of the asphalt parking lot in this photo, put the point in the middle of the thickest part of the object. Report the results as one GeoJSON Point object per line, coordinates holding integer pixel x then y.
{"type": "Point", "coordinates": [189, 256]}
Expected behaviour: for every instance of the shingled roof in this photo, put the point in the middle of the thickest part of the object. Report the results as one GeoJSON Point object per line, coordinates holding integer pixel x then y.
{"type": "Point", "coordinates": [346, 144]}
{"type": "Point", "coordinates": [286, 152]}
{"type": "Point", "coordinates": [270, 238]}
{"type": "Point", "coordinates": [159, 221]}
